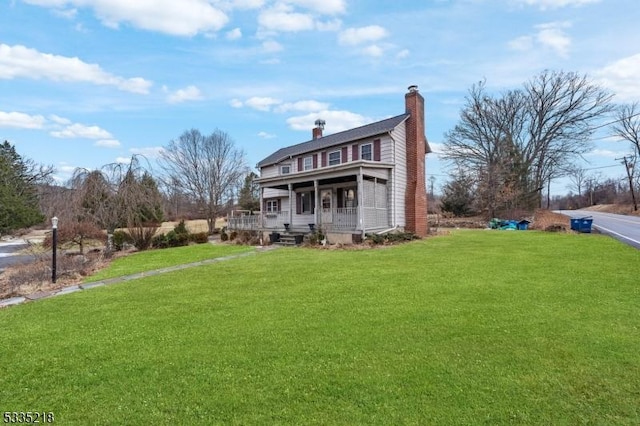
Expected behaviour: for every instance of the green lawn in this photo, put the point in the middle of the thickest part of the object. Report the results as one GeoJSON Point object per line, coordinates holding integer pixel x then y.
{"type": "Point", "coordinates": [481, 327]}
{"type": "Point", "coordinates": [156, 259]}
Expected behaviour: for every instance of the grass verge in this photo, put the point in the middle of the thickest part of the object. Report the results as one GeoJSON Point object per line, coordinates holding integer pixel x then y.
{"type": "Point", "coordinates": [477, 327]}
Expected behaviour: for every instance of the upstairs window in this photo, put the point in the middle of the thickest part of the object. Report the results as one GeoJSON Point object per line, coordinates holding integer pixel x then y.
{"type": "Point", "coordinates": [285, 169]}
{"type": "Point", "coordinates": [334, 158]}
{"type": "Point", "coordinates": [366, 152]}
{"type": "Point", "coordinates": [308, 163]}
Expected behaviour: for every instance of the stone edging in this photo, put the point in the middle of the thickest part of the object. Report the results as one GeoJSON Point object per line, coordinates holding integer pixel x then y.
{"type": "Point", "coordinates": [78, 287]}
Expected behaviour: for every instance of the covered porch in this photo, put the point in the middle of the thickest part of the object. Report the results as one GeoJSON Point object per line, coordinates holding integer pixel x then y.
{"type": "Point", "coordinates": [350, 200]}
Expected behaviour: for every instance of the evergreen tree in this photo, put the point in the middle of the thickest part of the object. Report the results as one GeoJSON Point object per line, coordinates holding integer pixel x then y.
{"type": "Point", "coordinates": [18, 191]}
{"type": "Point", "coordinates": [249, 198]}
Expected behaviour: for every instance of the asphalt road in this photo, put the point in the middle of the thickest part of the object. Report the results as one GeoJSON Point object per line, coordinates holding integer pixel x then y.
{"type": "Point", "coordinates": [8, 256]}
{"type": "Point", "coordinates": [620, 227]}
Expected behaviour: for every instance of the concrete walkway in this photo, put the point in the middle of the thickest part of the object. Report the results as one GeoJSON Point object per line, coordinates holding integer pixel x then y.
{"type": "Point", "coordinates": [72, 289]}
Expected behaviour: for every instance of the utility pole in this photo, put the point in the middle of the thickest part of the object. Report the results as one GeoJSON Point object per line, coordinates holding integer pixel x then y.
{"type": "Point", "coordinates": [629, 168]}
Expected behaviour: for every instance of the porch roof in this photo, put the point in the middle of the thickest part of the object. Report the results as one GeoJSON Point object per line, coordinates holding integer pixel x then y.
{"type": "Point", "coordinates": [352, 135]}
{"type": "Point", "coordinates": [346, 169]}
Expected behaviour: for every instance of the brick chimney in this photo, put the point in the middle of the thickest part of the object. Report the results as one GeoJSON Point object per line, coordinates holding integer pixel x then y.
{"type": "Point", "coordinates": [416, 192]}
{"type": "Point", "coordinates": [317, 131]}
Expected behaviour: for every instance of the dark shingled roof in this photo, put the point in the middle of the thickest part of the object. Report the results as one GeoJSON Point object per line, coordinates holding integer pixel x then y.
{"type": "Point", "coordinates": [373, 129]}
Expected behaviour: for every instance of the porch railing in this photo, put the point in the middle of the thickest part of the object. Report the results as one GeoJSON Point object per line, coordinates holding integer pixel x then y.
{"type": "Point", "coordinates": [341, 219]}
{"type": "Point", "coordinates": [242, 223]}
{"type": "Point", "coordinates": [275, 220]}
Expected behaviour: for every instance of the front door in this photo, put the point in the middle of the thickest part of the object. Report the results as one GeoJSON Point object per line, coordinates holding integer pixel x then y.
{"type": "Point", "coordinates": [326, 196]}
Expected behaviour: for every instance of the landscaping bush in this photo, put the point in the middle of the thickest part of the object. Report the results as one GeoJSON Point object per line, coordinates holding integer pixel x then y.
{"type": "Point", "coordinates": [233, 235]}
{"type": "Point", "coordinates": [120, 239]}
{"type": "Point", "coordinates": [159, 241]}
{"type": "Point", "coordinates": [391, 238]}
{"type": "Point", "coordinates": [224, 236]}
{"type": "Point", "coordinates": [199, 238]}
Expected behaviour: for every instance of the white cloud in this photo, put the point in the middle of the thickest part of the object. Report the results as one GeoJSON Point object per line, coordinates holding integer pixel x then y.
{"type": "Point", "coordinates": [524, 43]}
{"type": "Point", "coordinates": [81, 131]}
{"type": "Point", "coordinates": [265, 135]}
{"type": "Point", "coordinates": [336, 121]}
{"type": "Point", "coordinates": [328, 7]}
{"type": "Point", "coordinates": [606, 153]}
{"type": "Point", "coordinates": [234, 34]}
{"type": "Point", "coordinates": [282, 18]}
{"type": "Point", "coordinates": [123, 160]}
{"type": "Point", "coordinates": [556, 4]}
{"type": "Point", "coordinates": [621, 77]}
{"type": "Point", "coordinates": [190, 93]}
{"type": "Point", "coordinates": [108, 143]}
{"type": "Point", "coordinates": [403, 54]}
{"type": "Point", "coordinates": [550, 36]}
{"type": "Point", "coordinates": [183, 18]}
{"type": "Point", "coordinates": [19, 120]}
{"type": "Point", "coordinates": [148, 152]}
{"type": "Point", "coordinates": [22, 62]}
{"type": "Point", "coordinates": [271, 46]}
{"type": "Point", "coordinates": [59, 120]}
{"type": "Point", "coordinates": [236, 103]}
{"type": "Point", "coordinates": [374, 51]}
{"type": "Point", "coordinates": [262, 103]}
{"type": "Point", "coordinates": [304, 106]}
{"type": "Point", "coordinates": [333, 25]}
{"type": "Point", "coordinates": [357, 36]}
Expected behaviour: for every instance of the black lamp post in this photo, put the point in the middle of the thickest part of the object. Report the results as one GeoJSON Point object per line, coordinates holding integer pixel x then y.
{"type": "Point", "coordinates": [54, 228]}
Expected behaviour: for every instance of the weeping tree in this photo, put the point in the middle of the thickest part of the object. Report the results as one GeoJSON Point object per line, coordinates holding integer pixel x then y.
{"type": "Point", "coordinates": [117, 196]}
{"type": "Point", "coordinates": [208, 168]}
{"type": "Point", "coordinates": [517, 141]}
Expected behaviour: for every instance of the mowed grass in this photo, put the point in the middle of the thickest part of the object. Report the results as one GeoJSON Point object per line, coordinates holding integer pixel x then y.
{"type": "Point", "coordinates": [474, 328]}
{"type": "Point", "coordinates": [157, 259]}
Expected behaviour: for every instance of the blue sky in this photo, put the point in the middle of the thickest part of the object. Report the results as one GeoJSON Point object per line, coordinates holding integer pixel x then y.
{"type": "Point", "coordinates": [84, 83]}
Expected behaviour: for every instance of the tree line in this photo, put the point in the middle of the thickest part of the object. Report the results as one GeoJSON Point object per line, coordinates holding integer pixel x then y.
{"type": "Point", "coordinates": [200, 176]}
{"type": "Point", "coordinates": [508, 147]}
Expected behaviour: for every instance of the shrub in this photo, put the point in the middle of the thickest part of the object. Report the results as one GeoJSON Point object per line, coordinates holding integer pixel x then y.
{"type": "Point", "coordinates": [175, 239]}
{"type": "Point", "coordinates": [233, 235]}
{"type": "Point", "coordinates": [181, 228]}
{"type": "Point", "coordinates": [223, 235]}
{"type": "Point", "coordinates": [120, 239]}
{"type": "Point", "coordinates": [159, 241]}
{"type": "Point", "coordinates": [199, 237]}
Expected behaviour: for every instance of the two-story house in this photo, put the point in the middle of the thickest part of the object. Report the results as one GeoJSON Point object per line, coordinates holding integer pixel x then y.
{"type": "Point", "coordinates": [367, 179]}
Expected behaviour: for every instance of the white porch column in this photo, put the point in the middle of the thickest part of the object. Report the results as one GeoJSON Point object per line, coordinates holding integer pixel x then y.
{"type": "Point", "coordinates": [361, 202]}
{"type": "Point", "coordinates": [260, 219]}
{"type": "Point", "coordinates": [290, 204]}
{"type": "Point", "coordinates": [315, 202]}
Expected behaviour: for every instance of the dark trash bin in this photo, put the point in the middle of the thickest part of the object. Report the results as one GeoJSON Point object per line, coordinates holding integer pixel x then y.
{"type": "Point", "coordinates": [274, 237]}
{"type": "Point", "coordinates": [582, 225]}
{"type": "Point", "coordinates": [523, 225]}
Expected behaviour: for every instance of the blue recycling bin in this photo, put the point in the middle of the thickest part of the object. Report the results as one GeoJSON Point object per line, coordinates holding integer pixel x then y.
{"type": "Point", "coordinates": [523, 225]}
{"type": "Point", "coordinates": [582, 225]}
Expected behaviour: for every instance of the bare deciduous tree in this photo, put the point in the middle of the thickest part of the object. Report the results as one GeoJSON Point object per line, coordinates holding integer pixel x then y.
{"type": "Point", "coordinates": [524, 138]}
{"type": "Point", "coordinates": [207, 168]}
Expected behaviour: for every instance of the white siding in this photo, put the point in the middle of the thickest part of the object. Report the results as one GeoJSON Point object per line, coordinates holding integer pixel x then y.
{"type": "Point", "coordinates": [386, 149]}
{"type": "Point", "coordinates": [274, 193]}
{"type": "Point", "coordinates": [269, 171]}
{"type": "Point", "coordinates": [398, 184]}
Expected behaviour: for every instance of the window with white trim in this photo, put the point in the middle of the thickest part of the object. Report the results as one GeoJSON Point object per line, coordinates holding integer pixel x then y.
{"type": "Point", "coordinates": [272, 206]}
{"type": "Point", "coordinates": [366, 152]}
{"type": "Point", "coordinates": [334, 158]}
{"type": "Point", "coordinates": [285, 169]}
{"type": "Point", "coordinates": [308, 163]}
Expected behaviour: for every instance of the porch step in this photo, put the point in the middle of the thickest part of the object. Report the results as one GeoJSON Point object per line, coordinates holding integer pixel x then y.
{"type": "Point", "coordinates": [290, 240]}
